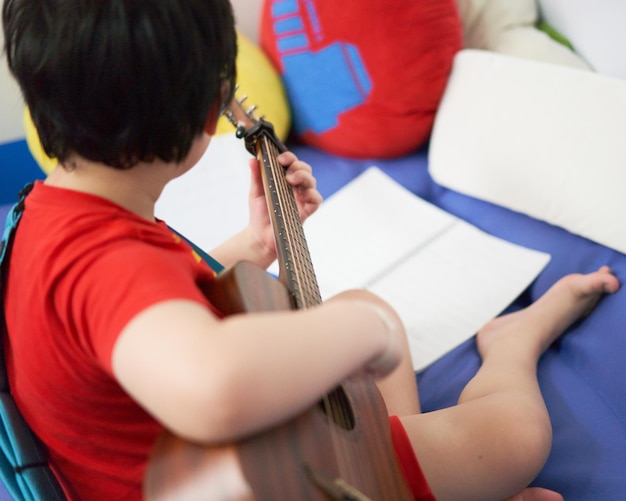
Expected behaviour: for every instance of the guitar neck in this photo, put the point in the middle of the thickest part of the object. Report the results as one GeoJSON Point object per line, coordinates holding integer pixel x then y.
{"type": "Point", "coordinates": [295, 265]}
{"type": "Point", "coordinates": [296, 269]}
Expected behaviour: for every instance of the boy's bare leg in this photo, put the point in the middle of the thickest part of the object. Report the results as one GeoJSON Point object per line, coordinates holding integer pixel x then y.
{"type": "Point", "coordinates": [399, 389]}
{"type": "Point", "coordinates": [495, 441]}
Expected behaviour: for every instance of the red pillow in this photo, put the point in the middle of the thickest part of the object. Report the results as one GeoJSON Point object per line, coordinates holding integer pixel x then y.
{"type": "Point", "coordinates": [363, 77]}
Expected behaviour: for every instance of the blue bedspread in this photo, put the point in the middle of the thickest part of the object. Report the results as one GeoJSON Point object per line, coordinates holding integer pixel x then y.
{"type": "Point", "coordinates": [582, 376]}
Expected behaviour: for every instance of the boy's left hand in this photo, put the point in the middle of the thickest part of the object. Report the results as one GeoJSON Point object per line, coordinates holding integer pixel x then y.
{"type": "Point", "coordinates": [299, 175]}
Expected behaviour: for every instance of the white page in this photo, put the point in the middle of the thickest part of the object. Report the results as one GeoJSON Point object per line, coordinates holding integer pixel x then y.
{"type": "Point", "coordinates": [367, 214]}
{"type": "Point", "coordinates": [209, 203]}
{"type": "Point", "coordinates": [445, 277]}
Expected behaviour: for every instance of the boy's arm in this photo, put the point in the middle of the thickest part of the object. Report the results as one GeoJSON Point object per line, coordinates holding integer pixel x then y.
{"type": "Point", "coordinates": [213, 380]}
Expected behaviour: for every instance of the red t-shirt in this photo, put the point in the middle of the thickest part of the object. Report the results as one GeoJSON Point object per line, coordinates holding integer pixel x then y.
{"type": "Point", "coordinates": [80, 269]}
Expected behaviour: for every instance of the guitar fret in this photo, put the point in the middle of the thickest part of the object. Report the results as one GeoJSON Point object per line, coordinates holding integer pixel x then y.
{"type": "Point", "coordinates": [297, 262]}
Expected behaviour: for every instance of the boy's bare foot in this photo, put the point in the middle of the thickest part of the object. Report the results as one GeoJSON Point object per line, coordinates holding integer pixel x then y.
{"type": "Point", "coordinates": [536, 327]}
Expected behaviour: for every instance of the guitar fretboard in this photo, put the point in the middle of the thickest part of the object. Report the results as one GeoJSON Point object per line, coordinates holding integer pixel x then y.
{"type": "Point", "coordinates": [296, 268]}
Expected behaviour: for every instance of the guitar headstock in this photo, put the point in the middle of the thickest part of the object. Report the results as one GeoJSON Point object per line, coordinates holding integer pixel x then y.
{"type": "Point", "coordinates": [248, 126]}
{"type": "Point", "coordinates": [242, 118]}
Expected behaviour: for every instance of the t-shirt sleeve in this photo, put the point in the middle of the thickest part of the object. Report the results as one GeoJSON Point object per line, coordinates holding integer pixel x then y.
{"type": "Point", "coordinates": [119, 283]}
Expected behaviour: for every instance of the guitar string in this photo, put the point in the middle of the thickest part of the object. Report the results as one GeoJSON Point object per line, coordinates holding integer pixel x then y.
{"type": "Point", "coordinates": [334, 404]}
{"type": "Point", "coordinates": [293, 234]}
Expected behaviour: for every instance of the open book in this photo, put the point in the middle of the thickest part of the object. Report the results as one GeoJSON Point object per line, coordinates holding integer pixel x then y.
{"type": "Point", "coordinates": [445, 277]}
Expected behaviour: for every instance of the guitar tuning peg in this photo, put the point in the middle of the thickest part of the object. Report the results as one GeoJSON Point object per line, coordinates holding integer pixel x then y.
{"type": "Point", "coordinates": [250, 110]}
{"type": "Point", "coordinates": [242, 99]}
{"type": "Point", "coordinates": [230, 117]}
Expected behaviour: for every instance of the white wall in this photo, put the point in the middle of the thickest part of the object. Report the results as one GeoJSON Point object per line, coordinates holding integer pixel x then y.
{"type": "Point", "coordinates": [11, 104]}
{"type": "Point", "coordinates": [595, 28]}
{"type": "Point", "coordinates": [247, 17]}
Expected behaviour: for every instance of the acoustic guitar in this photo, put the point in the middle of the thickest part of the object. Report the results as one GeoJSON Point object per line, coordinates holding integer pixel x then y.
{"type": "Point", "coordinates": [340, 449]}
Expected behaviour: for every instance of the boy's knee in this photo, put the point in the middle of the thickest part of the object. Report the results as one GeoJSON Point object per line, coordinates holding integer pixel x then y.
{"type": "Point", "coordinates": [526, 435]}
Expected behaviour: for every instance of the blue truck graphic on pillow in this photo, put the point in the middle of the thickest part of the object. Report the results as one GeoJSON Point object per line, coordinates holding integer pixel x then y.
{"type": "Point", "coordinates": [333, 75]}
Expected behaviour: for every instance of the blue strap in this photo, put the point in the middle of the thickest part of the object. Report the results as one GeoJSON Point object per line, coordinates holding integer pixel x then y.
{"type": "Point", "coordinates": [24, 468]}
{"type": "Point", "coordinates": [213, 263]}
{"type": "Point", "coordinates": [10, 224]}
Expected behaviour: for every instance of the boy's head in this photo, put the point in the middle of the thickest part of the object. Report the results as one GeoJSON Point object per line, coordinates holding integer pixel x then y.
{"type": "Point", "coordinates": [121, 81]}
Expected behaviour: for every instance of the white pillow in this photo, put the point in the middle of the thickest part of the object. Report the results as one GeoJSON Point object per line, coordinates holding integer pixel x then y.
{"type": "Point", "coordinates": [541, 139]}
{"type": "Point", "coordinates": [595, 29]}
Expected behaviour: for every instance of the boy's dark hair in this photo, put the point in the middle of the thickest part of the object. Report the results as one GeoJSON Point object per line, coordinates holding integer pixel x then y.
{"type": "Point", "coordinates": [121, 81]}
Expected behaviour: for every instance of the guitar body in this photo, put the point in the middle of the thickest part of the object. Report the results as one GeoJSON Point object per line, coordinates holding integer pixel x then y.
{"type": "Point", "coordinates": [315, 457]}
{"type": "Point", "coordinates": [292, 460]}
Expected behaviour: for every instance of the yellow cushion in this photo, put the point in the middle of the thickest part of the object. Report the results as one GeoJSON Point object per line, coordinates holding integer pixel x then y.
{"type": "Point", "coordinates": [46, 163]}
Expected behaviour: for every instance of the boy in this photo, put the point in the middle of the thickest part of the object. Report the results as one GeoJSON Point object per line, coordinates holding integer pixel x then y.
{"type": "Point", "coordinates": [110, 339]}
